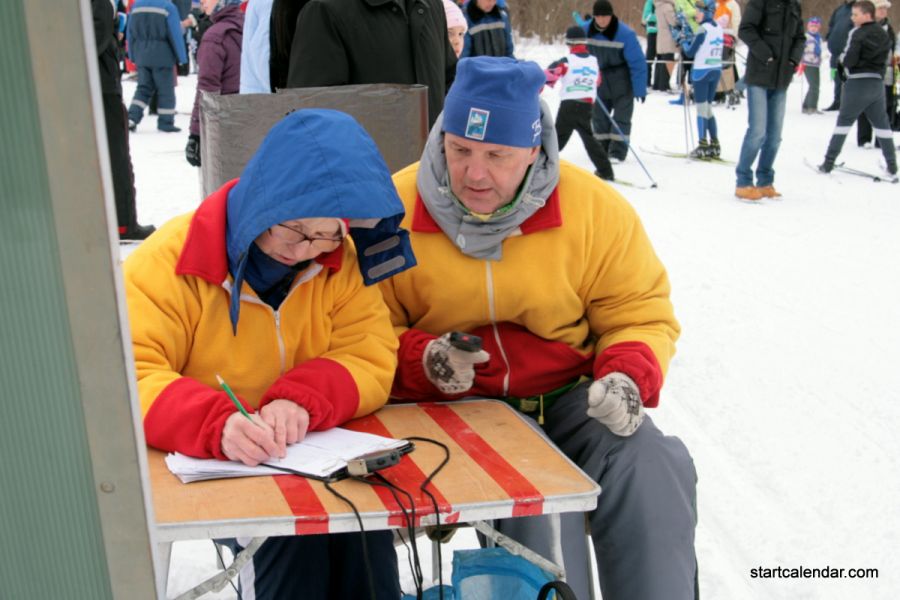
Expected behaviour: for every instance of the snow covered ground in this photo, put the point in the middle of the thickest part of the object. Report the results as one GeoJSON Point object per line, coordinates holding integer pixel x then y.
{"type": "Point", "coordinates": [785, 385]}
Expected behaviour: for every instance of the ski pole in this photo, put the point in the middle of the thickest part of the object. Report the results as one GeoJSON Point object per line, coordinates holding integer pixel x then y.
{"type": "Point", "coordinates": [625, 139]}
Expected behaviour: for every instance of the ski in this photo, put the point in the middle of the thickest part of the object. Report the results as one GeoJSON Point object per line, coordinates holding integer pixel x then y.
{"type": "Point", "coordinates": [629, 184]}
{"type": "Point", "coordinates": [873, 176]}
{"type": "Point", "coordinates": [842, 168]}
{"type": "Point", "coordinates": [661, 152]}
{"type": "Point", "coordinates": [812, 165]}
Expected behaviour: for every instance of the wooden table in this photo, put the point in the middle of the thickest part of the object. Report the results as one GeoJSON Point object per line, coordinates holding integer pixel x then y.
{"type": "Point", "coordinates": [499, 467]}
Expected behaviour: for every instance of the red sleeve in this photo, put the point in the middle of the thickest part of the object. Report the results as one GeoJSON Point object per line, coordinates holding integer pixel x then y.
{"type": "Point", "coordinates": [324, 387]}
{"type": "Point", "coordinates": [188, 417]}
{"type": "Point", "coordinates": [410, 382]}
{"type": "Point", "coordinates": [636, 360]}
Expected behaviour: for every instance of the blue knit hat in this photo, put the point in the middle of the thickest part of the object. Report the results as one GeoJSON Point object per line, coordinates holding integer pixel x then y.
{"type": "Point", "coordinates": [496, 100]}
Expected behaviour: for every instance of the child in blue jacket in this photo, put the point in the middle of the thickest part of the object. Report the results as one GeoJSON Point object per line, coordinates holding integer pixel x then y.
{"type": "Point", "coordinates": [705, 52]}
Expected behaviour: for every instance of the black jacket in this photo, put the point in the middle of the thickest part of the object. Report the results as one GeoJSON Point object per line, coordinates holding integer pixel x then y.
{"type": "Point", "coordinates": [773, 31]}
{"type": "Point", "coordinates": [346, 42]}
{"type": "Point", "coordinates": [105, 36]}
{"type": "Point", "coordinates": [867, 51]}
{"type": "Point", "coordinates": [839, 26]}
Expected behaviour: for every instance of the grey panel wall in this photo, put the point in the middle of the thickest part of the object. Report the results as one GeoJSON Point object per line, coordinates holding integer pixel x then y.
{"type": "Point", "coordinates": [73, 521]}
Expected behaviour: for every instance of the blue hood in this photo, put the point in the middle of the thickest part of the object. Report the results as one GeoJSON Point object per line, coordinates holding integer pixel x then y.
{"type": "Point", "coordinates": [318, 163]}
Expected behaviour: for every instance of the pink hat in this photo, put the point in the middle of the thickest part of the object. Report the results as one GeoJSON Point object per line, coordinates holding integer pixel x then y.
{"type": "Point", "coordinates": [455, 16]}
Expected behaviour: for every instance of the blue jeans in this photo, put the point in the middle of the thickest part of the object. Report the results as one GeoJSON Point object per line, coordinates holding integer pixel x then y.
{"type": "Point", "coordinates": [766, 114]}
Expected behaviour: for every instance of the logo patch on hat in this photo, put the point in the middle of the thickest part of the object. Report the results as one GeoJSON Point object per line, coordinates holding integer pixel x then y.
{"type": "Point", "coordinates": [536, 130]}
{"type": "Point", "coordinates": [476, 126]}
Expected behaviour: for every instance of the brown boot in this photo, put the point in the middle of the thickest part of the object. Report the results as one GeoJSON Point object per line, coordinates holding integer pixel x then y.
{"type": "Point", "coordinates": [768, 191]}
{"type": "Point", "coordinates": [748, 193]}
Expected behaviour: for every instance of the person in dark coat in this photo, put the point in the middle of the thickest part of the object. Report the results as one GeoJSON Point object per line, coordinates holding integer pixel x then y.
{"type": "Point", "coordinates": [839, 26]}
{"type": "Point", "coordinates": [218, 62]}
{"type": "Point", "coordinates": [862, 64]}
{"type": "Point", "coordinates": [624, 78]}
{"type": "Point", "coordinates": [114, 114]}
{"type": "Point", "coordinates": [863, 126]}
{"type": "Point", "coordinates": [773, 32]}
{"type": "Point", "coordinates": [490, 31]}
{"type": "Point", "coordinates": [345, 42]}
{"type": "Point", "coordinates": [156, 45]}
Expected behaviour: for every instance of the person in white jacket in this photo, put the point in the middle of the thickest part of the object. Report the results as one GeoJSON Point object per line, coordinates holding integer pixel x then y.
{"type": "Point", "coordinates": [255, 48]}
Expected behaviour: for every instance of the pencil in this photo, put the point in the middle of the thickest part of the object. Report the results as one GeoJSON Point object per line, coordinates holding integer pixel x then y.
{"type": "Point", "coordinates": [233, 398]}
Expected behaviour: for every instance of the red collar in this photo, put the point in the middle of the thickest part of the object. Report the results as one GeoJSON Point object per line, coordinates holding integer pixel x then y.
{"type": "Point", "coordinates": [205, 254]}
{"type": "Point", "coordinates": [546, 217]}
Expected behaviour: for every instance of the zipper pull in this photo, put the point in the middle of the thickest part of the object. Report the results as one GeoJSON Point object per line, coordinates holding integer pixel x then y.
{"type": "Point", "coordinates": [541, 415]}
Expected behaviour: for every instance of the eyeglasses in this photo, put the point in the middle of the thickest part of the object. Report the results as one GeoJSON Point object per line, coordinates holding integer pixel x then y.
{"type": "Point", "coordinates": [292, 237]}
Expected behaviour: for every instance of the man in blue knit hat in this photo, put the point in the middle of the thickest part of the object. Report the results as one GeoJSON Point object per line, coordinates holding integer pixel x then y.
{"type": "Point", "coordinates": [552, 268]}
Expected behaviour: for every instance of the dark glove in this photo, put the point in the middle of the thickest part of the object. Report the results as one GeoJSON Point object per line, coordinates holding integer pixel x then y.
{"type": "Point", "coordinates": [192, 150]}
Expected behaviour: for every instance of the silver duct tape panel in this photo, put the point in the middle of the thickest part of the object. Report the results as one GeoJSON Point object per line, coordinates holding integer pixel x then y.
{"type": "Point", "coordinates": [233, 126]}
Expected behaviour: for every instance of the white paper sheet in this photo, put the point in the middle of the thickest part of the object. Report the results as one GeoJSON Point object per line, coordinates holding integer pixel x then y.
{"type": "Point", "coordinates": [320, 454]}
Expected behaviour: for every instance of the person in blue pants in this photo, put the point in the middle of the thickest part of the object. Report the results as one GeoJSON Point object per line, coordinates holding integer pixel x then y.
{"type": "Point", "coordinates": [156, 45]}
{"type": "Point", "coordinates": [705, 51]}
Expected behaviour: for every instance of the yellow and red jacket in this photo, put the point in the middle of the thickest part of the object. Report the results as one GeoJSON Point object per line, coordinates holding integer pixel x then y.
{"type": "Point", "coordinates": [579, 292]}
{"type": "Point", "coordinates": [329, 347]}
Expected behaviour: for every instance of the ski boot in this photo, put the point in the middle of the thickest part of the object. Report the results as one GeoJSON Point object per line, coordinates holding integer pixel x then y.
{"type": "Point", "coordinates": [826, 166]}
{"type": "Point", "coordinates": [701, 152]}
{"type": "Point", "coordinates": [715, 151]}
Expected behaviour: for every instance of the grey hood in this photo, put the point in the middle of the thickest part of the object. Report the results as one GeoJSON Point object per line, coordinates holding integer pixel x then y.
{"type": "Point", "coordinates": [474, 237]}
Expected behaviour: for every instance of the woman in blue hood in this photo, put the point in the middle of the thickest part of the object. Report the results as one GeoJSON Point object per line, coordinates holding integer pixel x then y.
{"type": "Point", "coordinates": [263, 285]}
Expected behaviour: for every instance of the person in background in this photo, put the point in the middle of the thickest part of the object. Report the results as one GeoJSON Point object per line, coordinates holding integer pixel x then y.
{"type": "Point", "coordinates": [105, 28]}
{"type": "Point", "coordinates": [648, 20]}
{"type": "Point", "coordinates": [624, 71]}
{"type": "Point", "coordinates": [456, 26]}
{"type": "Point", "coordinates": [705, 50]}
{"type": "Point", "coordinates": [665, 43]}
{"type": "Point", "coordinates": [812, 59]}
{"type": "Point", "coordinates": [862, 64]}
{"type": "Point", "coordinates": [685, 28]}
{"type": "Point", "coordinates": [578, 76]}
{"type": "Point", "coordinates": [283, 26]}
{"type": "Point", "coordinates": [261, 285]}
{"type": "Point", "coordinates": [839, 26]}
{"type": "Point", "coordinates": [490, 31]}
{"type": "Point", "coordinates": [388, 46]}
{"type": "Point", "coordinates": [863, 126]}
{"type": "Point", "coordinates": [255, 48]}
{"type": "Point", "coordinates": [773, 32]}
{"type": "Point", "coordinates": [553, 269]}
{"type": "Point", "coordinates": [156, 45]}
{"type": "Point", "coordinates": [218, 62]}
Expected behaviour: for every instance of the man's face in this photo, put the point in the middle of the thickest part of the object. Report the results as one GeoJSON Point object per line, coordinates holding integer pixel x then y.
{"type": "Point", "coordinates": [602, 22]}
{"type": "Point", "coordinates": [486, 5]}
{"type": "Point", "coordinates": [859, 17]}
{"type": "Point", "coordinates": [485, 176]}
{"type": "Point", "coordinates": [881, 13]}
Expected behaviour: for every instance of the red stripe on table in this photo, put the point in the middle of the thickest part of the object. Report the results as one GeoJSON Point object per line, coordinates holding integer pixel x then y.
{"type": "Point", "coordinates": [406, 475]}
{"type": "Point", "coordinates": [527, 500]}
{"type": "Point", "coordinates": [304, 503]}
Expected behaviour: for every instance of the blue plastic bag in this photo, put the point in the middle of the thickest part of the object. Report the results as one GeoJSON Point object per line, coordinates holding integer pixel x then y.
{"type": "Point", "coordinates": [495, 574]}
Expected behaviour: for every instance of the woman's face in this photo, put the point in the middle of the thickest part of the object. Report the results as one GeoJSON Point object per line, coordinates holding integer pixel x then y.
{"type": "Point", "coordinates": [207, 6]}
{"type": "Point", "coordinates": [457, 36]}
{"type": "Point", "coordinates": [298, 240]}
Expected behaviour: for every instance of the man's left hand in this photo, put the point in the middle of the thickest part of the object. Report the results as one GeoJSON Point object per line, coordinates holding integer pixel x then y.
{"type": "Point", "coordinates": [288, 419]}
{"type": "Point", "coordinates": [615, 401]}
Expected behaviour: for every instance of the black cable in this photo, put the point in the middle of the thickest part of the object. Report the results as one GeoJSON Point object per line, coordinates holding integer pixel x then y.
{"type": "Point", "coordinates": [437, 513]}
{"type": "Point", "coordinates": [362, 534]}
{"type": "Point", "coordinates": [410, 525]}
{"type": "Point", "coordinates": [222, 562]}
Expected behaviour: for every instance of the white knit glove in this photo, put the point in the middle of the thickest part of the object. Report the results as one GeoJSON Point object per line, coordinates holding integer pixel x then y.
{"type": "Point", "coordinates": [615, 401]}
{"type": "Point", "coordinates": [450, 369]}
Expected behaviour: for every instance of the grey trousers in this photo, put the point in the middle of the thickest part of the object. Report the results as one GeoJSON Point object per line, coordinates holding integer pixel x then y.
{"type": "Point", "coordinates": [863, 97]}
{"type": "Point", "coordinates": [643, 526]}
